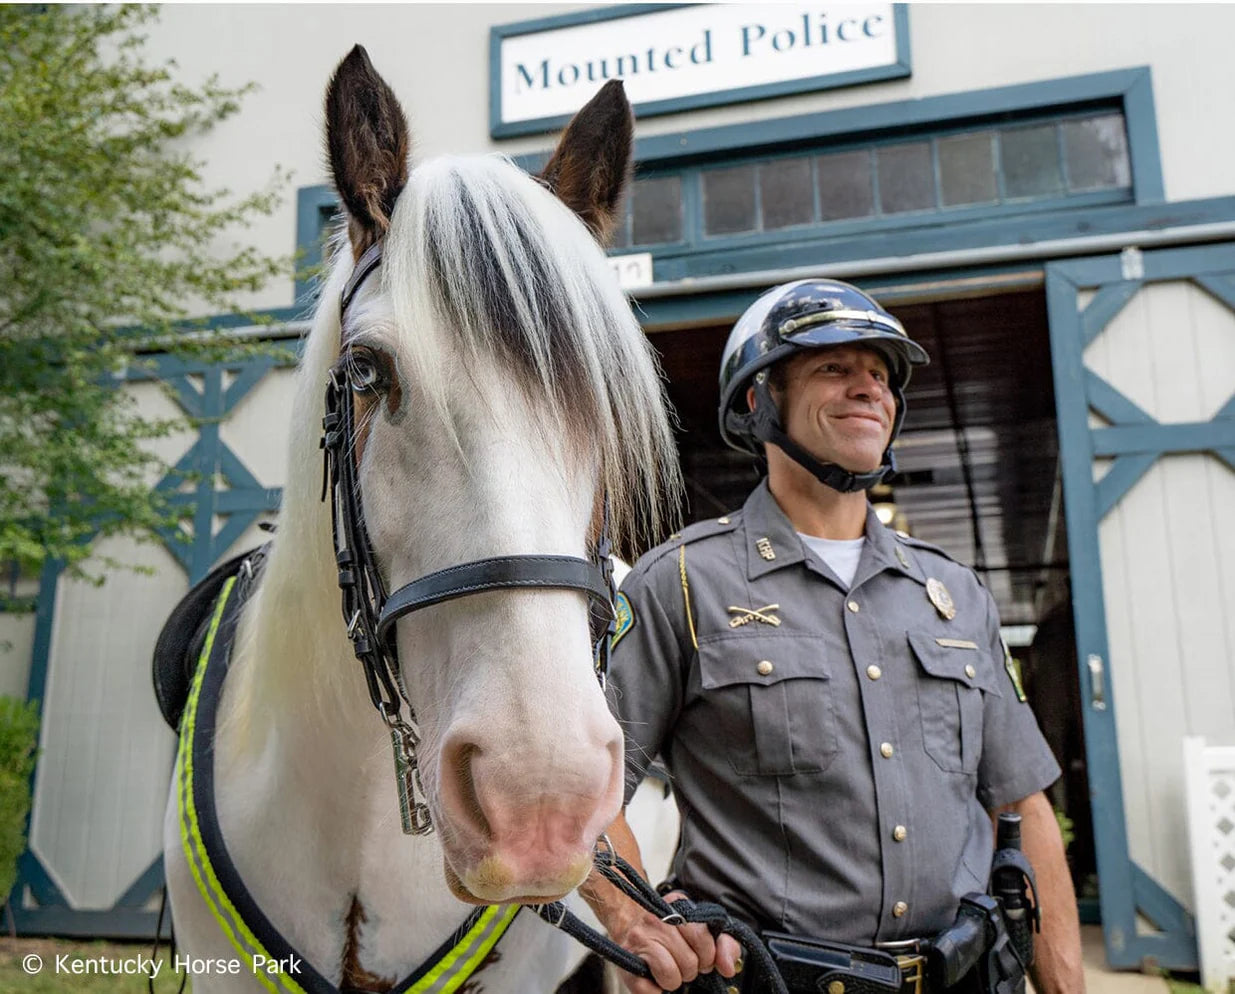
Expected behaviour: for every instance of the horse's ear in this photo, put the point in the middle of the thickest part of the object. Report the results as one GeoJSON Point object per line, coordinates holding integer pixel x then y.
{"type": "Point", "coordinates": [367, 140]}
{"type": "Point", "coordinates": [590, 168]}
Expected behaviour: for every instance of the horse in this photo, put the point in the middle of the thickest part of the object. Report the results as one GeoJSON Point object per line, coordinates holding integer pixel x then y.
{"type": "Point", "coordinates": [504, 407]}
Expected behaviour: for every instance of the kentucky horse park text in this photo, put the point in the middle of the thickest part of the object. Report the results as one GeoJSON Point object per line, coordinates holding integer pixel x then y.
{"type": "Point", "coordinates": [753, 40]}
{"type": "Point", "coordinates": [145, 966]}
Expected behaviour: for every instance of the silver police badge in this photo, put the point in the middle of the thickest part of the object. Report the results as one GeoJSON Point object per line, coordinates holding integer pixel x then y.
{"type": "Point", "coordinates": [940, 597]}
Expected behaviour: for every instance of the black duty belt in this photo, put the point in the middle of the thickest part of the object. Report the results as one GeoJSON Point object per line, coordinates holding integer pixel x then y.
{"type": "Point", "coordinates": [823, 967]}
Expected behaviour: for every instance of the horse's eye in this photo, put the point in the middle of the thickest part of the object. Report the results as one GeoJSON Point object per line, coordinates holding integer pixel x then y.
{"type": "Point", "coordinates": [364, 372]}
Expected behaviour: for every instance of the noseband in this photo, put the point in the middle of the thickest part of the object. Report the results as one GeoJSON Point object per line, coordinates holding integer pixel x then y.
{"type": "Point", "coordinates": [370, 613]}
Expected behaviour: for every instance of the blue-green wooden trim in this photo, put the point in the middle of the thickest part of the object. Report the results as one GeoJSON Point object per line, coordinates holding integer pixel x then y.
{"type": "Point", "coordinates": [923, 236]}
{"type": "Point", "coordinates": [898, 69]}
{"type": "Point", "coordinates": [147, 884]}
{"type": "Point", "coordinates": [1107, 302]}
{"type": "Point", "coordinates": [121, 923]}
{"type": "Point", "coordinates": [1124, 474]}
{"type": "Point", "coordinates": [1089, 615]}
{"type": "Point", "coordinates": [1159, 906]}
{"type": "Point", "coordinates": [315, 205]}
{"type": "Point", "coordinates": [239, 500]}
{"type": "Point", "coordinates": [187, 395]}
{"type": "Point", "coordinates": [1130, 89]}
{"type": "Point", "coordinates": [1137, 440]}
{"type": "Point", "coordinates": [1107, 401]}
{"type": "Point", "coordinates": [1222, 287]}
{"type": "Point", "coordinates": [1164, 439]}
{"type": "Point", "coordinates": [246, 380]}
{"type": "Point", "coordinates": [33, 874]}
{"type": "Point", "coordinates": [1138, 104]}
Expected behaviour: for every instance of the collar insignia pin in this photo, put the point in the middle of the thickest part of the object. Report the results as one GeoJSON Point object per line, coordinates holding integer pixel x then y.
{"type": "Point", "coordinates": [900, 555]}
{"type": "Point", "coordinates": [745, 615]}
{"type": "Point", "coordinates": [765, 549]}
{"type": "Point", "coordinates": [940, 597]}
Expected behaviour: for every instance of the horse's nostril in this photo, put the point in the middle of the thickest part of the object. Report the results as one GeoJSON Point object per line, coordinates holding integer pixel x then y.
{"type": "Point", "coordinates": [459, 787]}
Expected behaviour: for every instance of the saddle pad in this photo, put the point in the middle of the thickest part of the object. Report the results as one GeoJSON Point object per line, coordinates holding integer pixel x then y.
{"type": "Point", "coordinates": [179, 643]}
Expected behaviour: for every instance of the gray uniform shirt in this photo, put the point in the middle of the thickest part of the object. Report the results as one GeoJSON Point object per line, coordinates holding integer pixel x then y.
{"type": "Point", "coordinates": [833, 752]}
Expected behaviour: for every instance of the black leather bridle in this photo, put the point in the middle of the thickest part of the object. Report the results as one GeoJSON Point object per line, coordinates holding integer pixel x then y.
{"type": "Point", "coordinates": [370, 613]}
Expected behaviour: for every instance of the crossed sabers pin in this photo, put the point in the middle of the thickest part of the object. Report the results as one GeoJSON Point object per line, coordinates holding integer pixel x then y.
{"type": "Point", "coordinates": [745, 615]}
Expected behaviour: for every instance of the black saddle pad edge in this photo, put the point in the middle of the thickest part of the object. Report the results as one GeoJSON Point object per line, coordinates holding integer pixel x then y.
{"type": "Point", "coordinates": [174, 659]}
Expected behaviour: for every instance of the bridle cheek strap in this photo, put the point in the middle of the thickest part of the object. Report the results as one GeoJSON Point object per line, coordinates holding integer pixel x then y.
{"type": "Point", "coordinates": [497, 573]}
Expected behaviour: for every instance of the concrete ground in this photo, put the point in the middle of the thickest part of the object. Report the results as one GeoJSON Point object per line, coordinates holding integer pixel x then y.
{"type": "Point", "coordinates": [1101, 980]}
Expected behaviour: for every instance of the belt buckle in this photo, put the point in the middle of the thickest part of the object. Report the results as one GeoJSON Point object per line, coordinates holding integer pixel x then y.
{"type": "Point", "coordinates": [913, 973]}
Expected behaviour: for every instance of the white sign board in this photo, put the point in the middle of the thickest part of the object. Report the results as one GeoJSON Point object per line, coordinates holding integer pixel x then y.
{"type": "Point", "coordinates": [674, 58]}
{"type": "Point", "coordinates": [633, 270]}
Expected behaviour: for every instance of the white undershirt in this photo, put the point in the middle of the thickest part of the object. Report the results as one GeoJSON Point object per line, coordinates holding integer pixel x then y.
{"type": "Point", "coordinates": [841, 554]}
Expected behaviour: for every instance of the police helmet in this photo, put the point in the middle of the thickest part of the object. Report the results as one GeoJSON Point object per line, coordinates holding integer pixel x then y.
{"type": "Point", "coordinates": [792, 318]}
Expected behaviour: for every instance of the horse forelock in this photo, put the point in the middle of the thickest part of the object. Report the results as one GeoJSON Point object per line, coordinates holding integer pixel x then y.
{"type": "Point", "coordinates": [487, 269]}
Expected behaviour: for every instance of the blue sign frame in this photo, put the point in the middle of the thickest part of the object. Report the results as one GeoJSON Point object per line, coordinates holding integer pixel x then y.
{"type": "Point", "coordinates": [499, 33]}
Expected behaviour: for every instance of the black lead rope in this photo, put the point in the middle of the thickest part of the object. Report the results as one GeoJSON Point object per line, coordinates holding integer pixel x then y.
{"type": "Point", "coordinates": [683, 911]}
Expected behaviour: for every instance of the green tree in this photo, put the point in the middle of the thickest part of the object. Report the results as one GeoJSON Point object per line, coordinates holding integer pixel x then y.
{"type": "Point", "coordinates": [19, 729]}
{"type": "Point", "coordinates": [106, 226]}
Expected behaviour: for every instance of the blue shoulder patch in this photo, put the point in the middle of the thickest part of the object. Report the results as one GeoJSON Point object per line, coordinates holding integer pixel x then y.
{"type": "Point", "coordinates": [625, 619]}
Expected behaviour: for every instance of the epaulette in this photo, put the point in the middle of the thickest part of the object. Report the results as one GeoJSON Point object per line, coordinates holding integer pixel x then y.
{"type": "Point", "coordinates": [906, 539]}
{"type": "Point", "coordinates": [708, 527]}
{"type": "Point", "coordinates": [691, 533]}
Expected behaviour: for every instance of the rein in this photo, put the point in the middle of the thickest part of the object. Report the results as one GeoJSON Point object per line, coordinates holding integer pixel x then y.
{"type": "Point", "coordinates": [683, 911]}
{"type": "Point", "coordinates": [370, 612]}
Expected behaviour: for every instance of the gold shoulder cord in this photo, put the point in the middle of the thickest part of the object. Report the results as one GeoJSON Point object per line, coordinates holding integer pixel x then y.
{"type": "Point", "coordinates": [686, 594]}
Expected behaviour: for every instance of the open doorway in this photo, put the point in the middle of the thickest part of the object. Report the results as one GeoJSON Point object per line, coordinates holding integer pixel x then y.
{"type": "Point", "coordinates": [977, 475]}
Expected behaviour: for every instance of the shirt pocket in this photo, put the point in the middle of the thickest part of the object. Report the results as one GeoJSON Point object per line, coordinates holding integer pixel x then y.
{"type": "Point", "coordinates": [770, 702]}
{"type": "Point", "coordinates": [956, 673]}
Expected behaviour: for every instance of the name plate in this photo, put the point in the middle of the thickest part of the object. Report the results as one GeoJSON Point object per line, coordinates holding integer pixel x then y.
{"type": "Point", "coordinates": [678, 57]}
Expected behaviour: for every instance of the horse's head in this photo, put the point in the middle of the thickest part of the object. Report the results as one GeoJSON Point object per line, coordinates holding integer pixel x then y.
{"type": "Point", "coordinates": [502, 390]}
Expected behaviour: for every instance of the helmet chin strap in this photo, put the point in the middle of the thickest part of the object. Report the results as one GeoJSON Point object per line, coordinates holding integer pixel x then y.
{"type": "Point", "coordinates": [766, 427]}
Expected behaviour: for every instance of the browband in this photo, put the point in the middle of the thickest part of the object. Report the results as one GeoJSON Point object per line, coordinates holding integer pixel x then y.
{"type": "Point", "coordinates": [497, 573]}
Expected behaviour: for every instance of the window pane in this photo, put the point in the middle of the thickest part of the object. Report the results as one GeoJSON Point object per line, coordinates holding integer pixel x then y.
{"type": "Point", "coordinates": [1097, 153]}
{"type": "Point", "coordinates": [621, 231]}
{"type": "Point", "coordinates": [1031, 161]}
{"type": "Point", "coordinates": [845, 185]}
{"type": "Point", "coordinates": [906, 177]}
{"type": "Point", "coordinates": [967, 169]}
{"type": "Point", "coordinates": [729, 200]}
{"type": "Point", "coordinates": [787, 193]}
{"type": "Point", "coordinates": [657, 210]}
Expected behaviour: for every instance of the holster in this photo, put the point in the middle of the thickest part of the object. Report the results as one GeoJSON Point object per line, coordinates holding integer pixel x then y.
{"type": "Point", "coordinates": [977, 941]}
{"type": "Point", "coordinates": [811, 965]}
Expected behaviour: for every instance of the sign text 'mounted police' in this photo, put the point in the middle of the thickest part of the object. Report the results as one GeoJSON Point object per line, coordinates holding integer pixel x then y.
{"type": "Point", "coordinates": [698, 55]}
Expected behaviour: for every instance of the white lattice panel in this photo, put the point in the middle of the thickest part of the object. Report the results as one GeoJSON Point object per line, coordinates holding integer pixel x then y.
{"type": "Point", "coordinates": [1210, 782]}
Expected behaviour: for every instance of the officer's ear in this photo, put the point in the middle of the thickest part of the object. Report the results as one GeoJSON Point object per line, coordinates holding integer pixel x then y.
{"type": "Point", "coordinates": [750, 398]}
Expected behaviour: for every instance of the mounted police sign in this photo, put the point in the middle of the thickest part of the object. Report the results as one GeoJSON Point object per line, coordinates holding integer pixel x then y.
{"type": "Point", "coordinates": [680, 56]}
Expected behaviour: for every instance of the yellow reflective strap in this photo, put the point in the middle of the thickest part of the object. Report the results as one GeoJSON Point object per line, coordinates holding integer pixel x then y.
{"type": "Point", "coordinates": [446, 976]}
{"type": "Point", "coordinates": [241, 938]}
{"type": "Point", "coordinates": [454, 969]}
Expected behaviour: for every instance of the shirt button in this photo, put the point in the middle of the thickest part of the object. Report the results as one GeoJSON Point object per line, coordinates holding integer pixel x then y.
{"type": "Point", "coordinates": [899, 909]}
{"type": "Point", "coordinates": [853, 606]}
{"type": "Point", "coordinates": [874, 672]}
{"type": "Point", "coordinates": [886, 750]}
{"type": "Point", "coordinates": [899, 833]}
{"type": "Point", "coordinates": [765, 667]}
{"type": "Point", "coordinates": [970, 671]}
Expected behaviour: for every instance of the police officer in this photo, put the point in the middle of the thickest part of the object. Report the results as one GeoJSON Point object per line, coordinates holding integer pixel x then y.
{"type": "Point", "coordinates": [833, 700]}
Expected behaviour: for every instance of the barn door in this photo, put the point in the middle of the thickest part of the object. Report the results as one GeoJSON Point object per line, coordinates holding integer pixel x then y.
{"type": "Point", "coordinates": [1143, 346]}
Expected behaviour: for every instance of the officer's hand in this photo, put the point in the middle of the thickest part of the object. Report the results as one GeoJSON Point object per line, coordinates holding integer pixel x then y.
{"type": "Point", "coordinates": [676, 954]}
